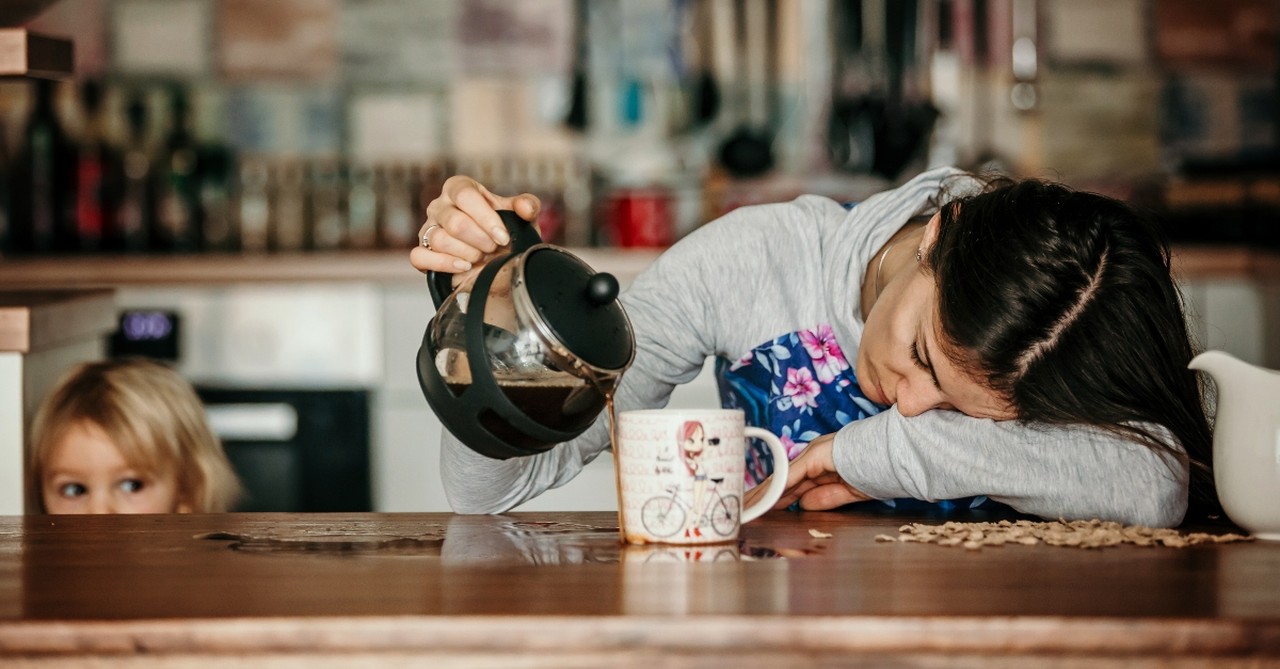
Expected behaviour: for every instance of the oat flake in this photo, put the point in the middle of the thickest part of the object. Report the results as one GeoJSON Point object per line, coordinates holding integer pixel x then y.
{"type": "Point", "coordinates": [1076, 533]}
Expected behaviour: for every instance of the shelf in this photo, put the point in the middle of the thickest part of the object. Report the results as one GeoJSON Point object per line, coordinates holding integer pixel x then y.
{"type": "Point", "coordinates": [390, 266]}
{"type": "Point", "coordinates": [387, 266]}
{"type": "Point", "coordinates": [27, 54]}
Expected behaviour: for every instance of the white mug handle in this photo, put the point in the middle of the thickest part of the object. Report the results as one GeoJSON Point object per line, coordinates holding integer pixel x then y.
{"type": "Point", "coordinates": [777, 482]}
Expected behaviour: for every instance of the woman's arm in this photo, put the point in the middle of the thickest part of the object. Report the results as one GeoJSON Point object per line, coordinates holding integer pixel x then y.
{"type": "Point", "coordinates": [1074, 472]}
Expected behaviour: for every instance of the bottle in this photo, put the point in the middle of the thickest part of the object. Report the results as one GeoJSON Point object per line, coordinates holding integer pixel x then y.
{"type": "Point", "coordinates": [327, 211]}
{"type": "Point", "coordinates": [254, 206]}
{"type": "Point", "coordinates": [135, 215]}
{"type": "Point", "coordinates": [362, 203]}
{"type": "Point", "coordinates": [288, 229]}
{"type": "Point", "coordinates": [98, 176]}
{"type": "Point", "coordinates": [42, 184]}
{"type": "Point", "coordinates": [217, 198]}
{"type": "Point", "coordinates": [398, 219]}
{"type": "Point", "coordinates": [177, 188]}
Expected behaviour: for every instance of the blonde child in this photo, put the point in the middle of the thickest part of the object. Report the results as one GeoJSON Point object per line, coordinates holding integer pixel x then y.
{"type": "Point", "coordinates": [127, 436]}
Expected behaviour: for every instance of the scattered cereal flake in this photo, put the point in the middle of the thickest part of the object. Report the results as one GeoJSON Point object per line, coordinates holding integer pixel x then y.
{"type": "Point", "coordinates": [885, 538]}
{"type": "Point", "coordinates": [819, 534]}
{"type": "Point", "coordinates": [1093, 534]}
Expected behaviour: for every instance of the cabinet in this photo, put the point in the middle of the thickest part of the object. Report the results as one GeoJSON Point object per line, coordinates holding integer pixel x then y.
{"type": "Point", "coordinates": [42, 334]}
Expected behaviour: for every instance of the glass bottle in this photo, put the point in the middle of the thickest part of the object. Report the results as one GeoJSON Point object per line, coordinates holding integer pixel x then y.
{"type": "Point", "coordinates": [135, 215]}
{"type": "Point", "coordinates": [177, 189]}
{"type": "Point", "coordinates": [42, 184]}
{"type": "Point", "coordinates": [98, 176]}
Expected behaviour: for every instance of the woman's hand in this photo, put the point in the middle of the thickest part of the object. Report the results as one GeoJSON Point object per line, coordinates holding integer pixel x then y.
{"type": "Point", "coordinates": [463, 229]}
{"type": "Point", "coordinates": [813, 481]}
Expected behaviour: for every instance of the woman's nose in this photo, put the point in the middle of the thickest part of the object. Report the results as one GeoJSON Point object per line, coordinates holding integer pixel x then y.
{"type": "Point", "coordinates": [915, 399]}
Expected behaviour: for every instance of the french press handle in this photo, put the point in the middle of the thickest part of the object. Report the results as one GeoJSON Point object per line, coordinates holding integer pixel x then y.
{"type": "Point", "coordinates": [523, 237]}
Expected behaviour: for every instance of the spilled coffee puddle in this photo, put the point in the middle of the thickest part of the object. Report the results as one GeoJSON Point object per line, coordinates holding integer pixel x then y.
{"type": "Point", "coordinates": [344, 544]}
{"type": "Point", "coordinates": [505, 543]}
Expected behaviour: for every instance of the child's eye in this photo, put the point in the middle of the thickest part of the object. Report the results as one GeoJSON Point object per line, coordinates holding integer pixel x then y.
{"type": "Point", "coordinates": [71, 490]}
{"type": "Point", "coordinates": [132, 485]}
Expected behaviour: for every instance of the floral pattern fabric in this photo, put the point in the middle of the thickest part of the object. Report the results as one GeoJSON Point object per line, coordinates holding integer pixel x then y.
{"type": "Point", "coordinates": [800, 386]}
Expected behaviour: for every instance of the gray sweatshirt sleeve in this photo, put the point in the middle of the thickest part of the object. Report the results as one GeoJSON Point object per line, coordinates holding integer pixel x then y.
{"type": "Point", "coordinates": [1073, 472]}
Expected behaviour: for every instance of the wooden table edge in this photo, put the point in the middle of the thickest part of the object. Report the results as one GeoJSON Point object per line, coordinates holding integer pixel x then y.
{"type": "Point", "coordinates": [684, 634]}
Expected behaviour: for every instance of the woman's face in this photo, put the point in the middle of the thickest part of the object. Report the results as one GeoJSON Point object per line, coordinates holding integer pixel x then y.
{"type": "Point", "coordinates": [86, 473]}
{"type": "Point", "coordinates": [899, 358]}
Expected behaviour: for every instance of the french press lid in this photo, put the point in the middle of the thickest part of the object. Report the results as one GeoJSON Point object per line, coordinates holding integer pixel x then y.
{"type": "Point", "coordinates": [575, 309]}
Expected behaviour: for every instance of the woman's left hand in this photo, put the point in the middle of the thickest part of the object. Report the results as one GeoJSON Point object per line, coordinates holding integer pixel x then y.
{"type": "Point", "coordinates": [812, 480]}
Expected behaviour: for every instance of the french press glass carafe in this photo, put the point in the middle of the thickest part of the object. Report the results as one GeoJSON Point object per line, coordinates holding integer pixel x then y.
{"type": "Point", "coordinates": [524, 354]}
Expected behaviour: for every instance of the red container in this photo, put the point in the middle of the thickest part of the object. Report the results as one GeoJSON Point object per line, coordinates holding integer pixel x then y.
{"type": "Point", "coordinates": [640, 217]}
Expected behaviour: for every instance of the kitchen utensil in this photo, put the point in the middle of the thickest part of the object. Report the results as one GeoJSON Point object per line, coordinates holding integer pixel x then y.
{"type": "Point", "coordinates": [909, 114]}
{"type": "Point", "coordinates": [748, 150]}
{"type": "Point", "coordinates": [681, 474]}
{"type": "Point", "coordinates": [857, 97]}
{"type": "Point", "coordinates": [881, 116]}
{"type": "Point", "coordinates": [1246, 441]}
{"type": "Point", "coordinates": [576, 116]}
{"type": "Point", "coordinates": [525, 353]}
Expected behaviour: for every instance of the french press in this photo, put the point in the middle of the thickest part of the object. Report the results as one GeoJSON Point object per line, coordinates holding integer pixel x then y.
{"type": "Point", "coordinates": [525, 353]}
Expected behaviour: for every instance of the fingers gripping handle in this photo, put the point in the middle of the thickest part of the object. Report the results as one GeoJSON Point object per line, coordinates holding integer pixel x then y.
{"type": "Point", "coordinates": [523, 236]}
{"type": "Point", "coordinates": [777, 481]}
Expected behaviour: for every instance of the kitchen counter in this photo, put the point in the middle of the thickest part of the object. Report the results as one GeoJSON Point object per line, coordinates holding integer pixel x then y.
{"type": "Point", "coordinates": [558, 590]}
{"type": "Point", "coordinates": [1190, 261]}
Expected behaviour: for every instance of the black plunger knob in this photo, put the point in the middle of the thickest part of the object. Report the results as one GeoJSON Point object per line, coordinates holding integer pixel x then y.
{"type": "Point", "coordinates": [602, 288]}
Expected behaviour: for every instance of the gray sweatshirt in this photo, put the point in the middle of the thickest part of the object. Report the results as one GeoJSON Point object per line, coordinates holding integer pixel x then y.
{"type": "Point", "coordinates": [762, 271]}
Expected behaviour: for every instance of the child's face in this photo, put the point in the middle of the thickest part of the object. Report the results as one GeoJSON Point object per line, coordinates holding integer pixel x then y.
{"type": "Point", "coordinates": [87, 474]}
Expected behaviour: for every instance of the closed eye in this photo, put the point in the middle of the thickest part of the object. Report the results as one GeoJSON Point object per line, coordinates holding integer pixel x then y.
{"type": "Point", "coordinates": [922, 364]}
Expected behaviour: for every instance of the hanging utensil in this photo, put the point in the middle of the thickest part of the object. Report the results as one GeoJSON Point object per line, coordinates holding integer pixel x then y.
{"type": "Point", "coordinates": [857, 103]}
{"type": "Point", "coordinates": [748, 150]}
{"type": "Point", "coordinates": [908, 119]}
{"type": "Point", "coordinates": [705, 98]}
{"type": "Point", "coordinates": [576, 117]}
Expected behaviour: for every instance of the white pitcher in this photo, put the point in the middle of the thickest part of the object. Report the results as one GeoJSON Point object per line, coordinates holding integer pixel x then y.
{"type": "Point", "coordinates": [1246, 441]}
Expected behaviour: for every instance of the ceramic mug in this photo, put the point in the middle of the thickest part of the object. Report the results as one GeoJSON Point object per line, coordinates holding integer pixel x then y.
{"type": "Point", "coordinates": [681, 471]}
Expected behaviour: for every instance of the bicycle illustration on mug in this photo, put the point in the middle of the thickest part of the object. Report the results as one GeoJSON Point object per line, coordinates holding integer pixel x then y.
{"type": "Point", "coordinates": [664, 515]}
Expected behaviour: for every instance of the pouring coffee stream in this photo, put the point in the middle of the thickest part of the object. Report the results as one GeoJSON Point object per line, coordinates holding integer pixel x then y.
{"type": "Point", "coordinates": [526, 353]}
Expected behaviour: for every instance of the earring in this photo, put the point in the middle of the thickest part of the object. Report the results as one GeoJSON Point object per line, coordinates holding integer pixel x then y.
{"type": "Point", "coordinates": [919, 255]}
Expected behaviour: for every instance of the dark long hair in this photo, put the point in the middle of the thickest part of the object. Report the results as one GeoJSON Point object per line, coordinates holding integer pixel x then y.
{"type": "Point", "coordinates": [1064, 302]}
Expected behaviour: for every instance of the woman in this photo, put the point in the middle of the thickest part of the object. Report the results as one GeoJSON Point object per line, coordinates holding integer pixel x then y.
{"type": "Point", "coordinates": [1013, 340]}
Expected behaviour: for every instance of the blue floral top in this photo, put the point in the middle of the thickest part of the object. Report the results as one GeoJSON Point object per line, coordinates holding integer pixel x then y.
{"type": "Point", "coordinates": [800, 387]}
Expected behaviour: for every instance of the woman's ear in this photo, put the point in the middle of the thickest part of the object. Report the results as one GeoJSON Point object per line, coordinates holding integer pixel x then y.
{"type": "Point", "coordinates": [930, 233]}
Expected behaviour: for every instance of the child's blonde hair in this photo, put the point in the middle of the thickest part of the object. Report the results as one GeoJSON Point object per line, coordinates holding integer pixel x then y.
{"type": "Point", "coordinates": [152, 415]}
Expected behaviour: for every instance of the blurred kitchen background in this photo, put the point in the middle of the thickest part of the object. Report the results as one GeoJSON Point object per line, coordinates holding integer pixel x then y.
{"type": "Point", "coordinates": [288, 125]}
{"type": "Point", "coordinates": [280, 153]}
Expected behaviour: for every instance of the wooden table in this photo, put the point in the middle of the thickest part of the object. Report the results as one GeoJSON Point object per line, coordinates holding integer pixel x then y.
{"type": "Point", "coordinates": [557, 590]}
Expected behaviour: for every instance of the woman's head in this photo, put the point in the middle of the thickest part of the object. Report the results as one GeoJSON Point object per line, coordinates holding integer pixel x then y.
{"type": "Point", "coordinates": [1062, 303]}
{"type": "Point", "coordinates": [127, 436]}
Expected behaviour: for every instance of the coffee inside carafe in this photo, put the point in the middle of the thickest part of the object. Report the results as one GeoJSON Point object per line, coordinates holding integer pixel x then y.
{"type": "Point", "coordinates": [563, 403]}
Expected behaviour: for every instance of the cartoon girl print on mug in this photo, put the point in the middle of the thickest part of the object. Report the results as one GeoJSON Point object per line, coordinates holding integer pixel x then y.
{"type": "Point", "coordinates": [693, 443]}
